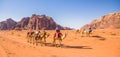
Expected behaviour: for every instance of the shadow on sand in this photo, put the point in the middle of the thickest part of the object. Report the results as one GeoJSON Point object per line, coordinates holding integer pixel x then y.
{"type": "Point", "coordinates": [100, 37]}
{"type": "Point", "coordinates": [68, 46]}
{"type": "Point", "coordinates": [77, 47]}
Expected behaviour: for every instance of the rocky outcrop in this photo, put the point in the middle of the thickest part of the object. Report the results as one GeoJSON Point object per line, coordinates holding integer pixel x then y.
{"type": "Point", "coordinates": [22, 24]}
{"type": "Point", "coordinates": [111, 20]}
{"type": "Point", "coordinates": [7, 25]}
{"type": "Point", "coordinates": [37, 22]}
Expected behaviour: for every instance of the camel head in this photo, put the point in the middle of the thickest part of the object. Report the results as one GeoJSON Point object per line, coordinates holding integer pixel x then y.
{"type": "Point", "coordinates": [64, 35]}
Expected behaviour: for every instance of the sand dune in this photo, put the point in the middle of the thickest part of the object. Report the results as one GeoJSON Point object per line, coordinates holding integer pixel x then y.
{"type": "Point", "coordinates": [102, 43]}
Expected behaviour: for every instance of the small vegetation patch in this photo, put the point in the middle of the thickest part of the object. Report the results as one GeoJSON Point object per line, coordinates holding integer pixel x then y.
{"type": "Point", "coordinates": [113, 34]}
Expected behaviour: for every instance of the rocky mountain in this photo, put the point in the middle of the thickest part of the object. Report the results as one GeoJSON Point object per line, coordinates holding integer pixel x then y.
{"type": "Point", "coordinates": [41, 22]}
{"type": "Point", "coordinates": [35, 22]}
{"type": "Point", "coordinates": [22, 24]}
{"type": "Point", "coordinates": [111, 20]}
{"type": "Point", "coordinates": [8, 24]}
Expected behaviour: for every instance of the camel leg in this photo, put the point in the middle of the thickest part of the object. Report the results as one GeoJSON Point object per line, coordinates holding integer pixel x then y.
{"type": "Point", "coordinates": [88, 34]}
{"type": "Point", "coordinates": [28, 39]}
{"type": "Point", "coordinates": [60, 42]}
{"type": "Point", "coordinates": [33, 40]}
{"type": "Point", "coordinates": [45, 41]}
{"type": "Point", "coordinates": [36, 42]}
{"type": "Point", "coordinates": [82, 33]}
{"type": "Point", "coordinates": [41, 41]}
{"type": "Point", "coordinates": [54, 41]}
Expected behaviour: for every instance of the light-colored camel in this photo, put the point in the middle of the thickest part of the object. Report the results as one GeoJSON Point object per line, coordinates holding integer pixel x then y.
{"type": "Point", "coordinates": [43, 37]}
{"type": "Point", "coordinates": [30, 36]}
{"type": "Point", "coordinates": [36, 37]}
{"type": "Point", "coordinates": [63, 36]}
{"type": "Point", "coordinates": [77, 31]}
{"type": "Point", "coordinates": [86, 32]}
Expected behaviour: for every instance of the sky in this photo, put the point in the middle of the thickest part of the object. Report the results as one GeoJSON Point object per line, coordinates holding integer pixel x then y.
{"type": "Point", "coordinates": [70, 13]}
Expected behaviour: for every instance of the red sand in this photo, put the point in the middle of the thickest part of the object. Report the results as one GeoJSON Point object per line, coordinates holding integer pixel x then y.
{"type": "Point", "coordinates": [103, 43]}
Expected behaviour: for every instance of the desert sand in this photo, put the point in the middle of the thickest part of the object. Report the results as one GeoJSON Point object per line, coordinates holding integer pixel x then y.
{"type": "Point", "coordinates": [102, 43]}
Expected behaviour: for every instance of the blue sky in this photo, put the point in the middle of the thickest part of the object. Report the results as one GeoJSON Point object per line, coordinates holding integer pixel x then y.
{"type": "Point", "coordinates": [71, 13]}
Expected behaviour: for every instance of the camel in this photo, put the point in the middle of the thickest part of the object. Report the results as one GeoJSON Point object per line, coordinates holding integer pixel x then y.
{"type": "Point", "coordinates": [30, 36]}
{"type": "Point", "coordinates": [77, 31]}
{"type": "Point", "coordinates": [86, 32]}
{"type": "Point", "coordinates": [59, 38]}
{"type": "Point", "coordinates": [37, 37]}
{"type": "Point", "coordinates": [44, 35]}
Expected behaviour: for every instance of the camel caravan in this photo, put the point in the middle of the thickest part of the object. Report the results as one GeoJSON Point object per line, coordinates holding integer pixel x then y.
{"type": "Point", "coordinates": [36, 37]}
{"type": "Point", "coordinates": [85, 32]}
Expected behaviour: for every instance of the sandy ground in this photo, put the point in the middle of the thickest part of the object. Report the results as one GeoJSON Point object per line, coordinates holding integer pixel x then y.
{"type": "Point", "coordinates": [102, 43]}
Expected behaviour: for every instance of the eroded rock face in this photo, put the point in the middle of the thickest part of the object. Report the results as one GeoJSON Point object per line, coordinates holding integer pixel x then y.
{"type": "Point", "coordinates": [22, 24]}
{"type": "Point", "coordinates": [8, 24]}
{"type": "Point", "coordinates": [38, 22]}
{"type": "Point", "coordinates": [108, 21]}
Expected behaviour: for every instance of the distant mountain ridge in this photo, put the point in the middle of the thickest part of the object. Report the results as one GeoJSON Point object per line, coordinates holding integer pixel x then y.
{"type": "Point", "coordinates": [8, 24]}
{"type": "Point", "coordinates": [35, 22]}
{"type": "Point", "coordinates": [111, 20]}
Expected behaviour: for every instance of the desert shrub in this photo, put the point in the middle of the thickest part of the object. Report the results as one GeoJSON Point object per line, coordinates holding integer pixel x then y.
{"type": "Point", "coordinates": [19, 35]}
{"type": "Point", "coordinates": [113, 34]}
{"type": "Point", "coordinates": [103, 32]}
{"type": "Point", "coordinates": [12, 33]}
